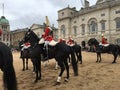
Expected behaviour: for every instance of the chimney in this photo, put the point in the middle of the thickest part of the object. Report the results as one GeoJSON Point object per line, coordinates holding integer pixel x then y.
{"type": "Point", "coordinates": [86, 4]}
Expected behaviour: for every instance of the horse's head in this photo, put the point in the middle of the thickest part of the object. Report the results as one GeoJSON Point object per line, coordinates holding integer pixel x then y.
{"type": "Point", "coordinates": [31, 37]}
{"type": "Point", "coordinates": [92, 41]}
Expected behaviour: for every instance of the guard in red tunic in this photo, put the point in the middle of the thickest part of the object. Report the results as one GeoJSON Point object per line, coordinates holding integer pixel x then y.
{"type": "Point", "coordinates": [70, 41]}
{"type": "Point", "coordinates": [104, 40]}
{"type": "Point", "coordinates": [25, 45]}
{"type": "Point", "coordinates": [48, 37]}
{"type": "Point", "coordinates": [62, 40]}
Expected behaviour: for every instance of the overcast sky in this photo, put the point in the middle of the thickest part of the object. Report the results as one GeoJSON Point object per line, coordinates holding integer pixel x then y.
{"type": "Point", "coordinates": [24, 13]}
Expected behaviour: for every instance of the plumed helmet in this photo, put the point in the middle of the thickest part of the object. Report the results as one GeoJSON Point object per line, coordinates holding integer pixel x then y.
{"type": "Point", "coordinates": [50, 28]}
{"type": "Point", "coordinates": [0, 32]}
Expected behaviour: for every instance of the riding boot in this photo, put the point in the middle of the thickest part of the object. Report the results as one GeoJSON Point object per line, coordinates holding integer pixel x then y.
{"type": "Point", "coordinates": [45, 53]}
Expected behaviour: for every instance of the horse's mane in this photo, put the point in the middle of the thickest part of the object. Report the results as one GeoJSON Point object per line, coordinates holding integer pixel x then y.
{"type": "Point", "coordinates": [34, 39]}
{"type": "Point", "coordinates": [34, 35]}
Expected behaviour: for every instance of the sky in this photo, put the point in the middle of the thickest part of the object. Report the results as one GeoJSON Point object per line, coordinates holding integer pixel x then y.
{"type": "Point", "coordinates": [25, 13]}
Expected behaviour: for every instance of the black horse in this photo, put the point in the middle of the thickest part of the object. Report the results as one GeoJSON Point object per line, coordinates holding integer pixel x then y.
{"type": "Point", "coordinates": [6, 65]}
{"type": "Point", "coordinates": [111, 48]}
{"type": "Point", "coordinates": [25, 56]}
{"type": "Point", "coordinates": [78, 53]}
{"type": "Point", "coordinates": [60, 52]}
{"type": "Point", "coordinates": [77, 49]}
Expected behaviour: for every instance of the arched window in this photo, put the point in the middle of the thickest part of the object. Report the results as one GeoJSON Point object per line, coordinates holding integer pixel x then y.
{"type": "Point", "coordinates": [93, 28]}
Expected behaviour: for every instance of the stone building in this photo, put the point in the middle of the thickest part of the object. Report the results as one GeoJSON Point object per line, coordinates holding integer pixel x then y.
{"type": "Point", "coordinates": [17, 35]}
{"type": "Point", "coordinates": [91, 21]}
{"type": "Point", "coordinates": [5, 27]}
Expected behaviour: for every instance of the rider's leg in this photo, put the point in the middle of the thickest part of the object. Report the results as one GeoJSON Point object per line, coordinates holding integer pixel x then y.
{"type": "Point", "coordinates": [46, 50]}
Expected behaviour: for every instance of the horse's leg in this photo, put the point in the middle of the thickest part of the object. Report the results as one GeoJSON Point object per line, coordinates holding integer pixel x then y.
{"type": "Point", "coordinates": [115, 57]}
{"type": "Point", "coordinates": [67, 69]}
{"type": "Point", "coordinates": [23, 64]}
{"type": "Point", "coordinates": [56, 65]}
{"type": "Point", "coordinates": [100, 57]}
{"type": "Point", "coordinates": [39, 69]}
{"type": "Point", "coordinates": [97, 57]}
{"type": "Point", "coordinates": [79, 57]}
{"type": "Point", "coordinates": [26, 63]}
{"type": "Point", "coordinates": [36, 70]}
{"type": "Point", "coordinates": [69, 60]}
{"type": "Point", "coordinates": [33, 64]}
{"type": "Point", "coordinates": [62, 67]}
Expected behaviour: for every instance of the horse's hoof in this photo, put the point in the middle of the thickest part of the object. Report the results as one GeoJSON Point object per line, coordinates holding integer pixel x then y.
{"type": "Point", "coordinates": [66, 80]}
{"type": "Point", "coordinates": [35, 81]}
{"type": "Point", "coordinates": [80, 62]}
{"type": "Point", "coordinates": [113, 62]}
{"type": "Point", "coordinates": [57, 83]}
{"type": "Point", "coordinates": [39, 78]}
{"type": "Point", "coordinates": [23, 69]}
{"type": "Point", "coordinates": [76, 74]}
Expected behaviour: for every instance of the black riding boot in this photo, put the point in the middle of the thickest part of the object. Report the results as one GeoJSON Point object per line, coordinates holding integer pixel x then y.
{"type": "Point", "coordinates": [45, 53]}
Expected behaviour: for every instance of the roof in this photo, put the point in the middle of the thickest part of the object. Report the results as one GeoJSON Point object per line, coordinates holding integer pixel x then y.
{"type": "Point", "coordinates": [3, 20]}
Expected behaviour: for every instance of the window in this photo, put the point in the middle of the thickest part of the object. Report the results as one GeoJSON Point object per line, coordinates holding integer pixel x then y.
{"type": "Point", "coordinates": [103, 14]}
{"type": "Point", "coordinates": [103, 26]}
{"type": "Point", "coordinates": [93, 27]}
{"type": "Point", "coordinates": [75, 30]}
{"type": "Point", "coordinates": [83, 29]}
{"type": "Point", "coordinates": [62, 13]}
{"type": "Point", "coordinates": [74, 21]}
{"type": "Point", "coordinates": [117, 12]}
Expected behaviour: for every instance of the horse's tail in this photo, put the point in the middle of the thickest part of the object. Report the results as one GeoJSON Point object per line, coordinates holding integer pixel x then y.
{"type": "Point", "coordinates": [74, 63]}
{"type": "Point", "coordinates": [80, 54]}
{"type": "Point", "coordinates": [9, 77]}
{"type": "Point", "coordinates": [119, 50]}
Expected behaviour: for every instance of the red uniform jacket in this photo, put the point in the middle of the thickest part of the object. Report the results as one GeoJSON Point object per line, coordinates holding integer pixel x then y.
{"type": "Point", "coordinates": [104, 41]}
{"type": "Point", "coordinates": [70, 41]}
{"type": "Point", "coordinates": [27, 44]}
{"type": "Point", "coordinates": [62, 40]}
{"type": "Point", "coordinates": [46, 35]}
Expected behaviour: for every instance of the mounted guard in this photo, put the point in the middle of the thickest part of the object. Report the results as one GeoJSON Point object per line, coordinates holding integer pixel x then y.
{"type": "Point", "coordinates": [47, 38]}
{"type": "Point", "coordinates": [71, 42]}
{"type": "Point", "coordinates": [104, 41]}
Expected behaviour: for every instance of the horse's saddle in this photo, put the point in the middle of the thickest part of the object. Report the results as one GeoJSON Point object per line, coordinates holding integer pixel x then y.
{"type": "Point", "coordinates": [71, 44]}
{"type": "Point", "coordinates": [53, 43]}
{"type": "Point", "coordinates": [105, 45]}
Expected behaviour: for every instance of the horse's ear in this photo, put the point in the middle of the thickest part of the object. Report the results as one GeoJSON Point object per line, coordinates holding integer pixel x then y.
{"type": "Point", "coordinates": [29, 30]}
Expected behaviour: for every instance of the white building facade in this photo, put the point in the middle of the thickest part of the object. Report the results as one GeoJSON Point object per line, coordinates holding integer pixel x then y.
{"type": "Point", "coordinates": [91, 21]}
